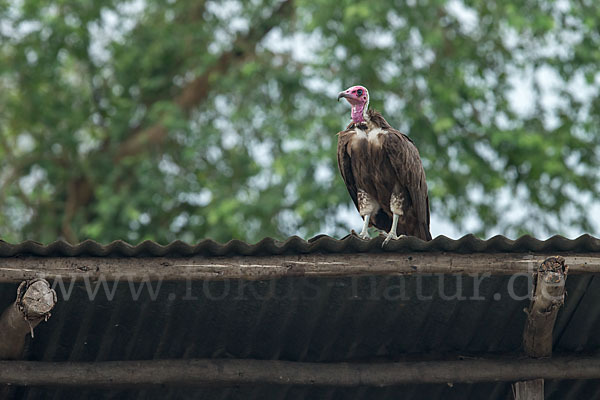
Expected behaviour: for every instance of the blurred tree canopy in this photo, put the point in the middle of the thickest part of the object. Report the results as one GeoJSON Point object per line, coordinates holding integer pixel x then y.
{"type": "Point", "coordinates": [173, 119]}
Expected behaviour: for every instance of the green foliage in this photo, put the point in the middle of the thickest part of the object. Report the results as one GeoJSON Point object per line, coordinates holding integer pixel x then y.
{"type": "Point", "coordinates": [172, 119]}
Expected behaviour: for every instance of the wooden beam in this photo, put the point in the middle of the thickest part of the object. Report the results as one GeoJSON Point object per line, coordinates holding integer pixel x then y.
{"type": "Point", "coordinates": [239, 372]}
{"type": "Point", "coordinates": [16, 269]}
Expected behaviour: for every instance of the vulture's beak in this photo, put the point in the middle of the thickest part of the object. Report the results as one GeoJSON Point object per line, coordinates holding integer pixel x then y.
{"type": "Point", "coordinates": [341, 95]}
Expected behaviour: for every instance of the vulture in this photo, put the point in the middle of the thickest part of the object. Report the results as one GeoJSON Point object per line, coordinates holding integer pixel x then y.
{"type": "Point", "coordinates": [382, 170]}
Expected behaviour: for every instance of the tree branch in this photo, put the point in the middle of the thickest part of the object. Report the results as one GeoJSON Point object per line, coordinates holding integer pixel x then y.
{"type": "Point", "coordinates": [196, 91]}
{"type": "Point", "coordinates": [79, 192]}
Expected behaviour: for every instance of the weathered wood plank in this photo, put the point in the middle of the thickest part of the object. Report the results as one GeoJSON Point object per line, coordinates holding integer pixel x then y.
{"type": "Point", "coordinates": [267, 267]}
{"type": "Point", "coordinates": [238, 372]}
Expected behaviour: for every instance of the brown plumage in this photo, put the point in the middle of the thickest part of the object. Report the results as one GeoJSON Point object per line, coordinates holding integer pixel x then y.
{"type": "Point", "coordinates": [383, 171]}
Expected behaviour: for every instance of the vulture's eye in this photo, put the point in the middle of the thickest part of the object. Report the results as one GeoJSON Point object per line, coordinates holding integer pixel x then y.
{"type": "Point", "coordinates": [359, 92]}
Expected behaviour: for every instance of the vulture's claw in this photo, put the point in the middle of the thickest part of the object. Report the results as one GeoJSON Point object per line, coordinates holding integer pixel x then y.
{"type": "Point", "coordinates": [391, 236]}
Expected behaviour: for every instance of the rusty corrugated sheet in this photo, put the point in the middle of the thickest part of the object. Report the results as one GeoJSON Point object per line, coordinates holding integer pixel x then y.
{"type": "Point", "coordinates": [296, 245]}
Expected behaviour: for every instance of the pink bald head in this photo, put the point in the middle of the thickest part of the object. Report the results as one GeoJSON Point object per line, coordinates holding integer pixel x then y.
{"type": "Point", "coordinates": [358, 97]}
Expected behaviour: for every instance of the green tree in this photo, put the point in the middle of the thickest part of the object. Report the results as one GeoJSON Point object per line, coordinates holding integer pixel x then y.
{"type": "Point", "coordinates": [175, 119]}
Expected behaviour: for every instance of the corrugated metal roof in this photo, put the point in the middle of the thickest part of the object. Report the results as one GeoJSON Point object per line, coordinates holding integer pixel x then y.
{"type": "Point", "coordinates": [309, 319]}
{"type": "Point", "coordinates": [296, 245]}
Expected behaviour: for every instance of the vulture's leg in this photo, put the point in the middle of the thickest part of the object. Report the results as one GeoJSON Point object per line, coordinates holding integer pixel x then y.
{"type": "Point", "coordinates": [396, 202]}
{"type": "Point", "coordinates": [392, 233]}
{"type": "Point", "coordinates": [366, 206]}
{"type": "Point", "coordinates": [365, 230]}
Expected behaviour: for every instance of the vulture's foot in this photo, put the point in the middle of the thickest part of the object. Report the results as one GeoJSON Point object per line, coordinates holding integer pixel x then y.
{"type": "Point", "coordinates": [391, 235]}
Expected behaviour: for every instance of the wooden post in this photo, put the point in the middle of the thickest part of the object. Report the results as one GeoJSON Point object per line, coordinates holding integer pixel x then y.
{"type": "Point", "coordinates": [35, 300]}
{"type": "Point", "coordinates": [548, 297]}
{"type": "Point", "coordinates": [529, 390]}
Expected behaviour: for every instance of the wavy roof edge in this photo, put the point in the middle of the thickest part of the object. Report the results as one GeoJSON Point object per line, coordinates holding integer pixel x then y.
{"type": "Point", "coordinates": [297, 245]}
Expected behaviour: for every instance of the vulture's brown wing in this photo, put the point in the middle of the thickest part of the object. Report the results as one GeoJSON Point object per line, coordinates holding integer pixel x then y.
{"type": "Point", "coordinates": [405, 160]}
{"type": "Point", "coordinates": [344, 164]}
